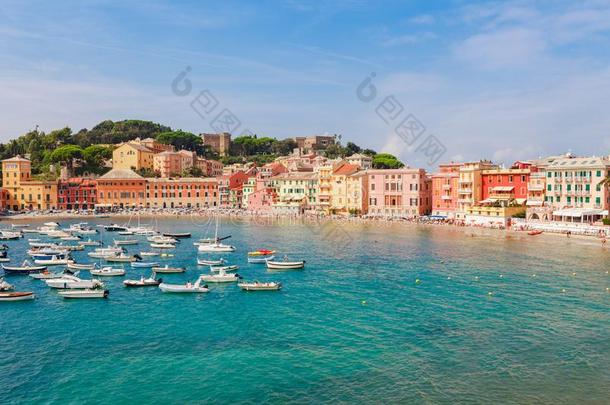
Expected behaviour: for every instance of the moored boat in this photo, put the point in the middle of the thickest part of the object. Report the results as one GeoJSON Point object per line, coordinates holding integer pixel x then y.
{"type": "Point", "coordinates": [89, 242]}
{"type": "Point", "coordinates": [55, 260]}
{"type": "Point", "coordinates": [285, 265]}
{"type": "Point", "coordinates": [122, 258]}
{"type": "Point", "coordinates": [73, 282]}
{"type": "Point", "coordinates": [16, 296]}
{"type": "Point", "coordinates": [260, 260]}
{"type": "Point", "coordinates": [87, 293]}
{"type": "Point", "coordinates": [168, 269]}
{"type": "Point", "coordinates": [5, 286]}
{"type": "Point", "coordinates": [114, 228]}
{"type": "Point", "coordinates": [221, 277]}
{"type": "Point", "coordinates": [261, 252]}
{"type": "Point", "coordinates": [215, 248]}
{"type": "Point", "coordinates": [207, 262]}
{"type": "Point", "coordinates": [177, 234]}
{"type": "Point", "coordinates": [144, 265]}
{"type": "Point", "coordinates": [120, 242]}
{"type": "Point", "coordinates": [46, 275]}
{"type": "Point", "coordinates": [224, 268]}
{"type": "Point", "coordinates": [78, 266]}
{"type": "Point", "coordinates": [260, 286]}
{"type": "Point", "coordinates": [184, 288]}
{"type": "Point", "coordinates": [108, 272]}
{"type": "Point", "coordinates": [162, 246]}
{"type": "Point", "coordinates": [25, 268]}
{"type": "Point", "coordinates": [144, 282]}
{"type": "Point", "coordinates": [534, 232]}
{"type": "Point", "coordinates": [149, 253]}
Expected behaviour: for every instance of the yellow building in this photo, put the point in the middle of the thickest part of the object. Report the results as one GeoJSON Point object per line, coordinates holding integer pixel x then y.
{"type": "Point", "coordinates": [357, 198]}
{"type": "Point", "coordinates": [339, 188]}
{"type": "Point", "coordinates": [470, 188]}
{"type": "Point", "coordinates": [132, 156]}
{"type": "Point", "coordinates": [23, 192]}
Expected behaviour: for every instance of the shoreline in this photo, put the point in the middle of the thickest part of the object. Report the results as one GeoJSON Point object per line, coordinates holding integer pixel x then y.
{"type": "Point", "coordinates": [520, 229]}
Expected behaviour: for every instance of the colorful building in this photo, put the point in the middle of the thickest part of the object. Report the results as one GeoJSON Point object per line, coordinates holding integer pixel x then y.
{"type": "Point", "coordinates": [168, 164]}
{"type": "Point", "coordinates": [77, 194]}
{"type": "Point", "coordinates": [502, 184]}
{"type": "Point", "coordinates": [470, 190]}
{"type": "Point", "coordinates": [24, 193]}
{"type": "Point", "coordinates": [364, 162]}
{"type": "Point", "coordinates": [132, 156]}
{"type": "Point", "coordinates": [220, 143]}
{"type": "Point", "coordinates": [297, 192]}
{"type": "Point", "coordinates": [230, 189]}
{"type": "Point", "coordinates": [121, 188]}
{"type": "Point", "coordinates": [445, 186]}
{"type": "Point", "coordinates": [339, 190]}
{"type": "Point", "coordinates": [401, 193]}
{"type": "Point", "coordinates": [182, 193]}
{"type": "Point", "coordinates": [357, 193]}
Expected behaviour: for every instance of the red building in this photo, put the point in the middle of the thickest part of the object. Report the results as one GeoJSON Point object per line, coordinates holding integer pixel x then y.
{"type": "Point", "coordinates": [506, 184]}
{"type": "Point", "coordinates": [4, 197]}
{"type": "Point", "coordinates": [77, 194]}
{"type": "Point", "coordinates": [230, 189]}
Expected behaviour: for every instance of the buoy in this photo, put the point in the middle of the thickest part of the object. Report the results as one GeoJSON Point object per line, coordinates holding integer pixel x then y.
{"type": "Point", "coordinates": [607, 288]}
{"type": "Point", "coordinates": [563, 290]}
{"type": "Point", "coordinates": [449, 278]}
{"type": "Point", "coordinates": [501, 275]}
{"type": "Point", "coordinates": [574, 273]}
{"type": "Point", "coordinates": [490, 293]}
{"type": "Point", "coordinates": [533, 275]}
{"type": "Point", "coordinates": [363, 302]}
{"type": "Point", "coordinates": [476, 278]}
{"type": "Point", "coordinates": [417, 281]}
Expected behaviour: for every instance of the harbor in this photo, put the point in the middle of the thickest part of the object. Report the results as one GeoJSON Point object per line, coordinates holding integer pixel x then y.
{"type": "Point", "coordinates": [371, 304]}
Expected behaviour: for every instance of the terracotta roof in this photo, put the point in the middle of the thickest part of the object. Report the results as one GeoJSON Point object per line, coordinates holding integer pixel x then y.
{"type": "Point", "coordinates": [137, 146]}
{"type": "Point", "coordinates": [346, 169]}
{"type": "Point", "coordinates": [121, 174]}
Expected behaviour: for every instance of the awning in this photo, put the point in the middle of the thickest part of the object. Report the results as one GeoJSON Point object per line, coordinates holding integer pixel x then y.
{"type": "Point", "coordinates": [535, 203]}
{"type": "Point", "coordinates": [502, 188]}
{"type": "Point", "coordinates": [488, 201]}
{"type": "Point", "coordinates": [520, 200]}
{"type": "Point", "coordinates": [578, 212]}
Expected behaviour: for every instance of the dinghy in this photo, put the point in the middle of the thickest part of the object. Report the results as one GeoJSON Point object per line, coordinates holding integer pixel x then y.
{"type": "Point", "coordinates": [16, 296]}
{"type": "Point", "coordinates": [184, 288]}
{"type": "Point", "coordinates": [25, 268]}
{"type": "Point", "coordinates": [162, 246]}
{"type": "Point", "coordinates": [177, 234]}
{"type": "Point", "coordinates": [114, 228]}
{"type": "Point", "coordinates": [149, 253]}
{"type": "Point", "coordinates": [122, 258]}
{"type": "Point", "coordinates": [144, 282]}
{"type": "Point", "coordinates": [215, 248]}
{"type": "Point", "coordinates": [84, 293]}
{"type": "Point", "coordinates": [167, 269]}
{"type": "Point", "coordinates": [161, 239]}
{"type": "Point", "coordinates": [10, 235]}
{"type": "Point", "coordinates": [285, 265]}
{"type": "Point", "coordinates": [89, 242]}
{"type": "Point", "coordinates": [108, 272]}
{"type": "Point", "coordinates": [261, 252]}
{"type": "Point", "coordinates": [46, 275]}
{"type": "Point", "coordinates": [206, 262]}
{"type": "Point", "coordinates": [52, 261]}
{"type": "Point", "coordinates": [260, 286]}
{"type": "Point", "coordinates": [144, 265]}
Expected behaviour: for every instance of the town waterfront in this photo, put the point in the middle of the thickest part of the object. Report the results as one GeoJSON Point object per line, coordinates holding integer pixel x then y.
{"type": "Point", "coordinates": [392, 312]}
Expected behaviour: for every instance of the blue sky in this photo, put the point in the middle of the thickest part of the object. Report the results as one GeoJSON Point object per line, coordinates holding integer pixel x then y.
{"type": "Point", "coordinates": [499, 80]}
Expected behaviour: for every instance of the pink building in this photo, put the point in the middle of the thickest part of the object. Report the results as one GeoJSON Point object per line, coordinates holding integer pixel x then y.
{"type": "Point", "coordinates": [167, 164]}
{"type": "Point", "coordinates": [402, 192]}
{"type": "Point", "coordinates": [445, 190]}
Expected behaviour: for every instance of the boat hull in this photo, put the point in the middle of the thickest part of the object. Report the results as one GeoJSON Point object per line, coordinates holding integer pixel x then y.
{"type": "Point", "coordinates": [23, 270]}
{"type": "Point", "coordinates": [285, 265]}
{"type": "Point", "coordinates": [177, 288]}
{"type": "Point", "coordinates": [16, 296]}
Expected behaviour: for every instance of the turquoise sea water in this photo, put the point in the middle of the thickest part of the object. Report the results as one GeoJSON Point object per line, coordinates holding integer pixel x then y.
{"type": "Point", "coordinates": [354, 326]}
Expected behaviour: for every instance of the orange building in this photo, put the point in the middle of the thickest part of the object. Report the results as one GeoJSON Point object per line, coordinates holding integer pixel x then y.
{"type": "Point", "coordinates": [167, 164]}
{"type": "Point", "coordinates": [445, 190]}
{"type": "Point", "coordinates": [182, 193]}
{"type": "Point", "coordinates": [121, 188]}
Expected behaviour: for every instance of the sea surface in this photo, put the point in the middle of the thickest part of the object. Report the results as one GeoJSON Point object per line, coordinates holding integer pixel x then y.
{"type": "Point", "coordinates": [394, 313]}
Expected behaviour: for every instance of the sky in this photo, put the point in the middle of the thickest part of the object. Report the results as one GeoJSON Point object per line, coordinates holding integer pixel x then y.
{"type": "Point", "coordinates": [496, 80]}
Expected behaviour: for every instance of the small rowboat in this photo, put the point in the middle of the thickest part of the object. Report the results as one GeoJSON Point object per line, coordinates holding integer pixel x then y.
{"type": "Point", "coordinates": [261, 252]}
{"type": "Point", "coordinates": [73, 282]}
{"type": "Point", "coordinates": [118, 242]}
{"type": "Point", "coordinates": [162, 246]}
{"type": "Point", "coordinates": [108, 272]}
{"type": "Point", "coordinates": [84, 293]}
{"type": "Point", "coordinates": [167, 269]}
{"type": "Point", "coordinates": [46, 275]}
{"type": "Point", "coordinates": [121, 259]}
{"type": "Point", "coordinates": [144, 265]}
{"type": "Point", "coordinates": [221, 277]}
{"type": "Point", "coordinates": [25, 268]}
{"type": "Point", "coordinates": [215, 248]}
{"type": "Point", "coordinates": [285, 265]}
{"type": "Point", "coordinates": [258, 286]}
{"type": "Point", "coordinates": [260, 260]}
{"type": "Point", "coordinates": [76, 266]}
{"type": "Point", "coordinates": [52, 261]}
{"type": "Point", "coordinates": [177, 234]}
{"type": "Point", "coordinates": [534, 232]}
{"type": "Point", "coordinates": [16, 296]}
{"type": "Point", "coordinates": [205, 262]}
{"type": "Point", "coordinates": [89, 243]}
{"type": "Point", "coordinates": [223, 268]}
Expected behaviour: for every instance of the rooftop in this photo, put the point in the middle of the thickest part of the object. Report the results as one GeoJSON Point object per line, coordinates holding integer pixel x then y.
{"type": "Point", "coordinates": [121, 174]}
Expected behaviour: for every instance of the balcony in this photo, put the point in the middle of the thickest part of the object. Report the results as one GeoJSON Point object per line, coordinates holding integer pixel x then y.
{"type": "Point", "coordinates": [465, 181]}
{"type": "Point", "coordinates": [465, 200]}
{"type": "Point", "coordinates": [536, 187]}
{"type": "Point", "coordinates": [465, 191]}
{"type": "Point", "coordinates": [538, 175]}
{"type": "Point", "coordinates": [445, 197]}
{"type": "Point", "coordinates": [446, 186]}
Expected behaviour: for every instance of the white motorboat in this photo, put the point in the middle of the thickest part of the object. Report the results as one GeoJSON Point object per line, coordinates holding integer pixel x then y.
{"type": "Point", "coordinates": [221, 277]}
{"type": "Point", "coordinates": [102, 255]}
{"type": "Point", "coordinates": [184, 288]}
{"type": "Point", "coordinates": [120, 242]}
{"type": "Point", "coordinates": [168, 269]}
{"type": "Point", "coordinates": [161, 239]}
{"type": "Point", "coordinates": [37, 243]}
{"type": "Point", "coordinates": [84, 293]}
{"type": "Point", "coordinates": [206, 262]}
{"type": "Point", "coordinates": [10, 235]}
{"type": "Point", "coordinates": [260, 286]}
{"type": "Point", "coordinates": [143, 282]}
{"type": "Point", "coordinates": [215, 248]}
{"type": "Point", "coordinates": [108, 272]}
{"type": "Point", "coordinates": [68, 281]}
{"type": "Point", "coordinates": [16, 296]}
{"type": "Point", "coordinates": [5, 286]}
{"type": "Point", "coordinates": [217, 269]}
{"type": "Point", "coordinates": [57, 234]}
{"type": "Point", "coordinates": [126, 233]}
{"type": "Point", "coordinates": [144, 265]}
{"type": "Point", "coordinates": [285, 265]}
{"type": "Point", "coordinates": [15, 226]}
{"type": "Point", "coordinates": [51, 224]}
{"type": "Point", "coordinates": [114, 228]}
{"type": "Point", "coordinates": [25, 268]}
{"type": "Point", "coordinates": [70, 238]}
{"type": "Point", "coordinates": [89, 242]}
{"type": "Point", "coordinates": [162, 246]}
{"type": "Point", "coordinates": [78, 266]}
{"type": "Point", "coordinates": [52, 261]}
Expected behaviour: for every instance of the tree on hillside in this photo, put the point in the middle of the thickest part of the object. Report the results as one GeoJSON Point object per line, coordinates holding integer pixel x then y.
{"type": "Point", "coordinates": [66, 155]}
{"type": "Point", "coordinates": [284, 147]}
{"type": "Point", "coordinates": [386, 161]}
{"type": "Point", "coordinates": [192, 171]}
{"type": "Point", "coordinates": [182, 140]}
{"type": "Point", "coordinates": [335, 151]}
{"type": "Point", "coordinates": [369, 152]}
{"type": "Point", "coordinates": [351, 148]}
{"type": "Point", "coordinates": [94, 158]}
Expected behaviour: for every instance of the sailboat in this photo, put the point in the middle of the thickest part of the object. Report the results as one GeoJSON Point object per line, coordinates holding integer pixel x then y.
{"type": "Point", "coordinates": [216, 246]}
